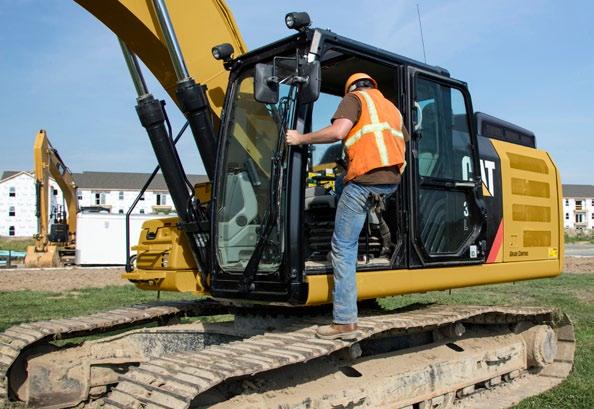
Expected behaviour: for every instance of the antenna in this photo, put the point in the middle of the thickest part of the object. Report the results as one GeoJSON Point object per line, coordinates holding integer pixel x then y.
{"type": "Point", "coordinates": [421, 28]}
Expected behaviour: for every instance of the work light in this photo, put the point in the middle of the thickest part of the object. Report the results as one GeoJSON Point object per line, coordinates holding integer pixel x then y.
{"type": "Point", "coordinates": [222, 52]}
{"type": "Point", "coordinates": [297, 20]}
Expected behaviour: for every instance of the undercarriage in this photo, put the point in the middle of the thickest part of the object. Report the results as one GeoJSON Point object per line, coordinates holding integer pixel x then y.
{"type": "Point", "coordinates": [425, 356]}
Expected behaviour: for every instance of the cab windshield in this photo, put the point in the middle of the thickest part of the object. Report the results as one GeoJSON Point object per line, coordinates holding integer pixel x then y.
{"type": "Point", "coordinates": [250, 207]}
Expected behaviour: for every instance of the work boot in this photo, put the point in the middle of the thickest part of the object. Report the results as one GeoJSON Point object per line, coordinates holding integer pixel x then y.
{"type": "Point", "coordinates": [346, 332]}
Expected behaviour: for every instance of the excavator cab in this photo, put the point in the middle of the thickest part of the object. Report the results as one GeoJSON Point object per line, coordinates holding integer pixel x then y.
{"type": "Point", "coordinates": [273, 205]}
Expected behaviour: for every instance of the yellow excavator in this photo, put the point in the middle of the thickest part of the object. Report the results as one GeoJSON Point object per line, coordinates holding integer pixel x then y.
{"type": "Point", "coordinates": [55, 240]}
{"type": "Point", "coordinates": [478, 204]}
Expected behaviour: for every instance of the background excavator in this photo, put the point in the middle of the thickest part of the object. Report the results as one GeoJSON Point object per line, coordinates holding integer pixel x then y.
{"type": "Point", "coordinates": [477, 205]}
{"type": "Point", "coordinates": [55, 241]}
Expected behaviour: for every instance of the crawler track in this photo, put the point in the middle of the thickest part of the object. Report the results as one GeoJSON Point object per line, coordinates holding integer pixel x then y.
{"type": "Point", "coordinates": [174, 381]}
{"type": "Point", "coordinates": [17, 339]}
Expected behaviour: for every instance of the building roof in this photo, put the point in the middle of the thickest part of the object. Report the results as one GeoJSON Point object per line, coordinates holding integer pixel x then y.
{"type": "Point", "coordinates": [578, 191]}
{"type": "Point", "coordinates": [8, 174]}
{"type": "Point", "coordinates": [125, 180]}
{"type": "Point", "coordinates": [116, 180]}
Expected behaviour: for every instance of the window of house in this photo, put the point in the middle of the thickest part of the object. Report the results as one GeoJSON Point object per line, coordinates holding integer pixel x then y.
{"type": "Point", "coordinates": [121, 195]}
{"type": "Point", "coordinates": [79, 196]}
{"type": "Point", "coordinates": [99, 198]}
{"type": "Point", "coordinates": [121, 211]}
{"type": "Point", "coordinates": [11, 191]}
{"type": "Point", "coordinates": [55, 192]}
{"type": "Point", "coordinates": [566, 202]}
{"type": "Point", "coordinates": [11, 211]}
{"type": "Point", "coordinates": [161, 199]}
{"type": "Point", "coordinates": [141, 211]}
{"type": "Point", "coordinates": [579, 218]}
{"type": "Point", "coordinates": [592, 202]}
{"type": "Point", "coordinates": [566, 216]}
{"type": "Point", "coordinates": [11, 231]}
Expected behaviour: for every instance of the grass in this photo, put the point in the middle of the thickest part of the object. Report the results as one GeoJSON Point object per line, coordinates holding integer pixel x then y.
{"type": "Point", "coordinates": [572, 293]}
{"type": "Point", "coordinates": [579, 238]}
{"type": "Point", "coordinates": [22, 306]}
{"type": "Point", "coordinates": [15, 244]}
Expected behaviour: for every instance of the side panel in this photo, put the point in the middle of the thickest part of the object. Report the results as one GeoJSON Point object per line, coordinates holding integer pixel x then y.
{"type": "Point", "coordinates": [164, 260]}
{"type": "Point", "coordinates": [531, 203]}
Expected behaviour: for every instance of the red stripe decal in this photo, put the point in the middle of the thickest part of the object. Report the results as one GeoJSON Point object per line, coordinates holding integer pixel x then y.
{"type": "Point", "coordinates": [496, 247]}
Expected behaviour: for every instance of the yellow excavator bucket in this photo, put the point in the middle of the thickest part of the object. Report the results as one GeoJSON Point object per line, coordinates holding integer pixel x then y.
{"type": "Point", "coordinates": [199, 25]}
{"type": "Point", "coordinates": [49, 257]}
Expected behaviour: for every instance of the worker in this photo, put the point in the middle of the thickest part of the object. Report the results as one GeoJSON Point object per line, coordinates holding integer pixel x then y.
{"type": "Point", "coordinates": [374, 137]}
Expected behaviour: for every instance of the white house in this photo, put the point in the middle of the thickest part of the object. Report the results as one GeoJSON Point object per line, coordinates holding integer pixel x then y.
{"type": "Point", "coordinates": [112, 192]}
{"type": "Point", "coordinates": [116, 191]}
{"type": "Point", "coordinates": [578, 208]}
{"type": "Point", "coordinates": [18, 203]}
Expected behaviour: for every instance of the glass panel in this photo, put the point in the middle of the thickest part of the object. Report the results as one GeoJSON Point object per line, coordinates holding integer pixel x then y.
{"type": "Point", "coordinates": [444, 221]}
{"type": "Point", "coordinates": [444, 148]}
{"type": "Point", "coordinates": [245, 202]}
{"type": "Point", "coordinates": [323, 110]}
{"type": "Point", "coordinates": [444, 154]}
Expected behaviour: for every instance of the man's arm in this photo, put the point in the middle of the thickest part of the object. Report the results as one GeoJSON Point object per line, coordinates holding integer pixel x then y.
{"type": "Point", "coordinates": [336, 132]}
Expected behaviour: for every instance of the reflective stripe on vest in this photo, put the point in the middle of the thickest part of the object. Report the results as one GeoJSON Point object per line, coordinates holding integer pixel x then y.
{"type": "Point", "coordinates": [379, 130]}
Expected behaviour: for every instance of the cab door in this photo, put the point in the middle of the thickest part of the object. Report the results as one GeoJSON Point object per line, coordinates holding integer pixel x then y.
{"type": "Point", "coordinates": [447, 213]}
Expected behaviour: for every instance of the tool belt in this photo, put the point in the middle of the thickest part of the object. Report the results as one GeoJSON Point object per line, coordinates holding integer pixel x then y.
{"type": "Point", "coordinates": [376, 221]}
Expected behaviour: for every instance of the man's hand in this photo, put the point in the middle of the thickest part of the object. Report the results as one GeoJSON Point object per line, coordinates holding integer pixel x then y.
{"type": "Point", "coordinates": [330, 134]}
{"type": "Point", "coordinates": [294, 137]}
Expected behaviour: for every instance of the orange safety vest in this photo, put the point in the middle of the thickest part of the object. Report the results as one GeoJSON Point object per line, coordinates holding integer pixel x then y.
{"type": "Point", "coordinates": [376, 140]}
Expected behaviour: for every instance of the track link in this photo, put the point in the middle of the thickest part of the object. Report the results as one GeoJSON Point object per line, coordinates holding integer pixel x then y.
{"type": "Point", "coordinates": [174, 381]}
{"type": "Point", "coordinates": [17, 339]}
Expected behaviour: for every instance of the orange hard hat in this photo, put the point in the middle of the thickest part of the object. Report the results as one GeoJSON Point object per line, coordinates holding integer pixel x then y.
{"type": "Point", "coordinates": [356, 77]}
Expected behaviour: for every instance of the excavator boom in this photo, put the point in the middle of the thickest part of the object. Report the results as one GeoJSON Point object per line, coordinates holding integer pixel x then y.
{"type": "Point", "coordinates": [199, 25]}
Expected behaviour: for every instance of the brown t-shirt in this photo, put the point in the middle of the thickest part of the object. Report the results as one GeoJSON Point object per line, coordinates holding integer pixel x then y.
{"type": "Point", "coordinates": [350, 108]}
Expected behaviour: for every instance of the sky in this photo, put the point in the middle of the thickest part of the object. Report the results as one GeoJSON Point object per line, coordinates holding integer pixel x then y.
{"type": "Point", "coordinates": [530, 62]}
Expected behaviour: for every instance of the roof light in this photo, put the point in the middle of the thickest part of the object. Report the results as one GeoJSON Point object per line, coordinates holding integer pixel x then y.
{"type": "Point", "coordinates": [223, 52]}
{"type": "Point", "coordinates": [297, 20]}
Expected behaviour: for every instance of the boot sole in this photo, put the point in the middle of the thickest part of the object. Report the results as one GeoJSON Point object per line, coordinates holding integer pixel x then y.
{"type": "Point", "coordinates": [346, 336]}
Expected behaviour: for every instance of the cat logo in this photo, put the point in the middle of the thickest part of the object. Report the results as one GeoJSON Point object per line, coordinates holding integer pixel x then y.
{"type": "Point", "coordinates": [487, 174]}
{"type": "Point", "coordinates": [487, 168]}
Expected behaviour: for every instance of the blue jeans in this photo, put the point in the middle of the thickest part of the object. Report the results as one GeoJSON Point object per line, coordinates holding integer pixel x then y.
{"type": "Point", "coordinates": [350, 217]}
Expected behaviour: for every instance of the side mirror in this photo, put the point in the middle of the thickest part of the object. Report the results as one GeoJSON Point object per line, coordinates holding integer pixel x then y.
{"type": "Point", "coordinates": [310, 91]}
{"type": "Point", "coordinates": [265, 84]}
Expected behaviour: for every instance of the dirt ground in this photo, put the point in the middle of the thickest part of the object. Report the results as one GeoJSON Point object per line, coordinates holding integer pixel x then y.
{"type": "Point", "coordinates": [72, 278]}
{"type": "Point", "coordinates": [579, 265]}
{"type": "Point", "coordinates": [60, 279]}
